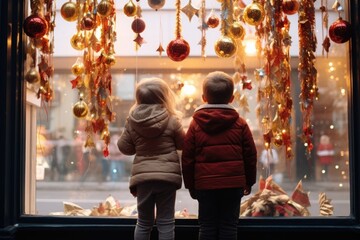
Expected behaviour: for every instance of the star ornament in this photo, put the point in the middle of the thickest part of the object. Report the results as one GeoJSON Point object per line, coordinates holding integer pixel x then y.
{"type": "Point", "coordinates": [139, 40]}
{"type": "Point", "coordinates": [190, 11]}
{"type": "Point", "coordinates": [160, 49]}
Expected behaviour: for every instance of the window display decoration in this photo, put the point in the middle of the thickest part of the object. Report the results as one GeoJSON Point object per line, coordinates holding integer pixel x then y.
{"type": "Point", "coordinates": [203, 27]}
{"type": "Point", "coordinates": [138, 26]}
{"type": "Point", "coordinates": [225, 46]}
{"type": "Point", "coordinates": [189, 10]}
{"type": "Point", "coordinates": [325, 28]}
{"type": "Point", "coordinates": [39, 27]}
{"type": "Point", "coordinates": [340, 30]}
{"type": "Point", "coordinates": [156, 4]}
{"type": "Point", "coordinates": [178, 49]}
{"type": "Point", "coordinates": [95, 37]}
{"type": "Point", "coordinates": [272, 201]}
{"type": "Point", "coordinates": [307, 70]}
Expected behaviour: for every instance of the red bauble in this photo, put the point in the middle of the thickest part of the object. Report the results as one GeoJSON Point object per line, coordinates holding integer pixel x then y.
{"type": "Point", "coordinates": [35, 26]}
{"type": "Point", "coordinates": [340, 31]}
{"type": "Point", "coordinates": [178, 49]}
{"type": "Point", "coordinates": [213, 21]}
{"type": "Point", "coordinates": [290, 7]}
{"type": "Point", "coordinates": [138, 25]}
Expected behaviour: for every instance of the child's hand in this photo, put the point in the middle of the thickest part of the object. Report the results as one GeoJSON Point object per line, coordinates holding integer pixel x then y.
{"type": "Point", "coordinates": [247, 190]}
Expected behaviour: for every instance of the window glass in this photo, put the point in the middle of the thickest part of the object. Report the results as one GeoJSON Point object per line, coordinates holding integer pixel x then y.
{"type": "Point", "coordinates": [73, 180]}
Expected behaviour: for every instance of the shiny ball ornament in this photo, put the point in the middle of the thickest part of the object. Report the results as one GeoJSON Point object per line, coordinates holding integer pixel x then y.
{"type": "Point", "coordinates": [77, 69]}
{"type": "Point", "coordinates": [225, 47]}
{"type": "Point", "coordinates": [80, 109]}
{"type": "Point", "coordinates": [278, 141]}
{"type": "Point", "coordinates": [290, 7]}
{"type": "Point", "coordinates": [213, 21]}
{"type": "Point", "coordinates": [178, 49]}
{"type": "Point", "coordinates": [77, 42]}
{"type": "Point", "coordinates": [35, 26]}
{"type": "Point", "coordinates": [156, 4]}
{"type": "Point", "coordinates": [88, 22]}
{"type": "Point", "coordinates": [104, 8]}
{"type": "Point", "coordinates": [340, 31]}
{"type": "Point", "coordinates": [130, 9]}
{"type": "Point", "coordinates": [138, 25]}
{"type": "Point", "coordinates": [32, 76]}
{"type": "Point", "coordinates": [69, 11]}
{"type": "Point", "coordinates": [254, 14]}
{"type": "Point", "coordinates": [237, 30]}
{"type": "Point", "coordinates": [109, 59]}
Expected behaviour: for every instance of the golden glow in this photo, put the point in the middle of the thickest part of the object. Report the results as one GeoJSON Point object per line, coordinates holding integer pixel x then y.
{"type": "Point", "coordinates": [188, 90]}
{"type": "Point", "coordinates": [250, 46]}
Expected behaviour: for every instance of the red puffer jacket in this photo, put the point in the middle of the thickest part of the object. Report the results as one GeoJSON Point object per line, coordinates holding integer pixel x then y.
{"type": "Point", "coordinates": [219, 150]}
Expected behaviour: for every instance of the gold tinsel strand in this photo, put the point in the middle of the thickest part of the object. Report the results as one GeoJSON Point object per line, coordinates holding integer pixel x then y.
{"type": "Point", "coordinates": [178, 19]}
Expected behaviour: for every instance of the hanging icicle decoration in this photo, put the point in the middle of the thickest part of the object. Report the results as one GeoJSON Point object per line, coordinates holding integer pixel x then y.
{"type": "Point", "coordinates": [307, 70]}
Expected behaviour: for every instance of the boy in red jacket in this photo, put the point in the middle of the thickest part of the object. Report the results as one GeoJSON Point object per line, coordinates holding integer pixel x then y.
{"type": "Point", "coordinates": [219, 159]}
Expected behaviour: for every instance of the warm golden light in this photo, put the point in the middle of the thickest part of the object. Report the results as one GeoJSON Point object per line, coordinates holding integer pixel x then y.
{"type": "Point", "coordinates": [250, 46]}
{"type": "Point", "coordinates": [188, 90]}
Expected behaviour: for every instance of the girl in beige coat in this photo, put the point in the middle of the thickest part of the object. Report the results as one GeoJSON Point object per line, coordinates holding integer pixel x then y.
{"type": "Point", "coordinates": [153, 132]}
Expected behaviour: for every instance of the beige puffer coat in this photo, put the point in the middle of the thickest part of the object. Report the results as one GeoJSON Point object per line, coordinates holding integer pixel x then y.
{"type": "Point", "coordinates": [154, 136]}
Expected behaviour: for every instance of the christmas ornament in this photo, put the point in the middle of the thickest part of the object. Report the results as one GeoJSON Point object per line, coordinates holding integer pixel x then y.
{"type": "Point", "coordinates": [254, 14]}
{"type": "Point", "coordinates": [325, 28]}
{"type": "Point", "coordinates": [290, 7]}
{"type": "Point", "coordinates": [104, 8]}
{"type": "Point", "coordinates": [35, 26]}
{"type": "Point", "coordinates": [225, 47]}
{"type": "Point", "coordinates": [80, 109]}
{"type": "Point", "coordinates": [178, 49]}
{"type": "Point", "coordinates": [189, 10]}
{"type": "Point", "coordinates": [203, 27]}
{"type": "Point", "coordinates": [69, 11]}
{"type": "Point", "coordinates": [78, 68]}
{"type": "Point", "coordinates": [340, 31]}
{"type": "Point", "coordinates": [130, 9]}
{"type": "Point", "coordinates": [213, 20]}
{"type": "Point", "coordinates": [77, 41]}
{"type": "Point", "coordinates": [156, 4]}
{"type": "Point", "coordinates": [88, 22]}
{"type": "Point", "coordinates": [237, 30]}
{"type": "Point", "coordinates": [32, 76]}
{"type": "Point", "coordinates": [138, 25]}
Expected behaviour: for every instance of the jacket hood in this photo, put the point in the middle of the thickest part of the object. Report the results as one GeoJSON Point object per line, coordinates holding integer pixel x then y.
{"type": "Point", "coordinates": [214, 118]}
{"type": "Point", "coordinates": [149, 120]}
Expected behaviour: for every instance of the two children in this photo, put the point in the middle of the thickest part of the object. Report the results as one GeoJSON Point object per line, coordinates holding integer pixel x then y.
{"type": "Point", "coordinates": [218, 158]}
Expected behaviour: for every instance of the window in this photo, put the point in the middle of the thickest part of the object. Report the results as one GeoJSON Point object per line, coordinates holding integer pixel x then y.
{"type": "Point", "coordinates": [67, 179]}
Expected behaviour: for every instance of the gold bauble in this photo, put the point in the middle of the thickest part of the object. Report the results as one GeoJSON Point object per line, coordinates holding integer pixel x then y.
{"type": "Point", "coordinates": [32, 76]}
{"type": "Point", "coordinates": [104, 8]}
{"type": "Point", "coordinates": [80, 109]}
{"type": "Point", "coordinates": [225, 47]}
{"type": "Point", "coordinates": [254, 14]}
{"type": "Point", "coordinates": [77, 69]}
{"type": "Point", "coordinates": [77, 41]}
{"type": "Point", "coordinates": [278, 141]}
{"type": "Point", "coordinates": [156, 4]}
{"type": "Point", "coordinates": [130, 9]}
{"type": "Point", "coordinates": [69, 11]}
{"type": "Point", "coordinates": [109, 59]}
{"type": "Point", "coordinates": [237, 30]}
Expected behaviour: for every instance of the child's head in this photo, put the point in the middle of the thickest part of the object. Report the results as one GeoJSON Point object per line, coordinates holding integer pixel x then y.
{"type": "Point", "coordinates": [155, 91]}
{"type": "Point", "coordinates": [218, 88]}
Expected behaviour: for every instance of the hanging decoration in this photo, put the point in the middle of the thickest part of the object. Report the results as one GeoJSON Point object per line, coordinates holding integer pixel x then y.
{"type": "Point", "coordinates": [156, 4]}
{"type": "Point", "coordinates": [189, 10]}
{"type": "Point", "coordinates": [203, 27]}
{"type": "Point", "coordinates": [95, 37]}
{"type": "Point", "coordinates": [290, 7]}
{"type": "Point", "coordinates": [160, 49]}
{"type": "Point", "coordinates": [240, 77]}
{"type": "Point", "coordinates": [254, 13]}
{"type": "Point", "coordinates": [138, 26]}
{"type": "Point", "coordinates": [325, 27]}
{"type": "Point", "coordinates": [340, 30]}
{"type": "Point", "coordinates": [39, 27]}
{"type": "Point", "coordinates": [213, 20]}
{"type": "Point", "coordinates": [225, 46]}
{"type": "Point", "coordinates": [178, 49]}
{"type": "Point", "coordinates": [307, 70]}
{"type": "Point", "coordinates": [130, 9]}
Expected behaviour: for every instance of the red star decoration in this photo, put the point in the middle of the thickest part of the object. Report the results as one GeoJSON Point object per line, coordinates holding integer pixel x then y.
{"type": "Point", "coordinates": [139, 40]}
{"type": "Point", "coordinates": [75, 82]}
{"type": "Point", "coordinates": [160, 49]}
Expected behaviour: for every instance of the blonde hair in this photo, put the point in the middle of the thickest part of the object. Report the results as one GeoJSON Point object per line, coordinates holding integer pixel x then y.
{"type": "Point", "coordinates": [218, 87]}
{"type": "Point", "coordinates": [155, 91]}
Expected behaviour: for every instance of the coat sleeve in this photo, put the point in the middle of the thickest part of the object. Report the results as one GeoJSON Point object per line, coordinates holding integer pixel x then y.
{"type": "Point", "coordinates": [125, 143]}
{"type": "Point", "coordinates": [179, 134]}
{"type": "Point", "coordinates": [250, 156]}
{"type": "Point", "coordinates": [188, 158]}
